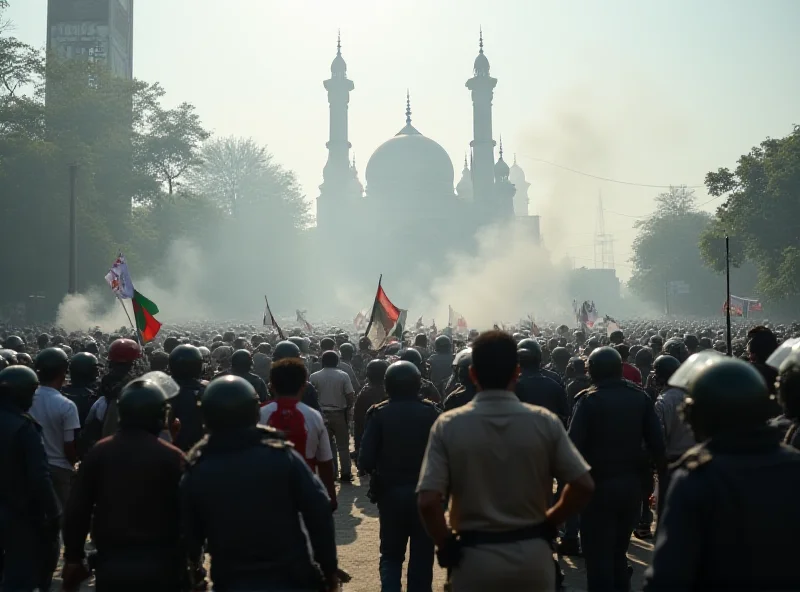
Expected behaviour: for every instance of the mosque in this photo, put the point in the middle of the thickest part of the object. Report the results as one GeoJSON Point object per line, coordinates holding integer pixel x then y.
{"type": "Point", "coordinates": [410, 201]}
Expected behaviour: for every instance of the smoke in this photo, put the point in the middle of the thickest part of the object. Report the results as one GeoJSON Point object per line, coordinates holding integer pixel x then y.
{"type": "Point", "coordinates": [509, 277]}
{"type": "Point", "coordinates": [179, 296]}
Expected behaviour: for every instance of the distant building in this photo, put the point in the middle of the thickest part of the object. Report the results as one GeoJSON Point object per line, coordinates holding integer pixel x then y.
{"type": "Point", "coordinates": [409, 192]}
{"type": "Point", "coordinates": [97, 30]}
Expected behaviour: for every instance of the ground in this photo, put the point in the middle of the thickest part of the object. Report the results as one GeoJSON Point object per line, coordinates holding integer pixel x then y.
{"type": "Point", "coordinates": [358, 541]}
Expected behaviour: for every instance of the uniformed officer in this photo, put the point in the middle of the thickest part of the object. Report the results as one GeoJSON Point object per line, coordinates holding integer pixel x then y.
{"type": "Point", "coordinates": [718, 531]}
{"type": "Point", "coordinates": [241, 365]}
{"type": "Point", "coordinates": [534, 346]}
{"type": "Point", "coordinates": [789, 398]}
{"type": "Point", "coordinates": [496, 458]}
{"type": "Point", "coordinates": [29, 511]}
{"type": "Point", "coordinates": [466, 389]}
{"type": "Point", "coordinates": [608, 426]}
{"type": "Point", "coordinates": [287, 349]}
{"type": "Point", "coordinates": [82, 387]}
{"type": "Point", "coordinates": [244, 493]}
{"type": "Point", "coordinates": [126, 491]}
{"type": "Point", "coordinates": [391, 451]}
{"type": "Point", "coordinates": [441, 361]}
{"type": "Point", "coordinates": [186, 367]}
{"type": "Point", "coordinates": [427, 390]}
{"type": "Point", "coordinates": [372, 394]}
{"type": "Point", "coordinates": [534, 386]}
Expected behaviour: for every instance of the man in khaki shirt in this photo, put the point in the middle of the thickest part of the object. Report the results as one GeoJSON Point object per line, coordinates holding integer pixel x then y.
{"type": "Point", "coordinates": [496, 458]}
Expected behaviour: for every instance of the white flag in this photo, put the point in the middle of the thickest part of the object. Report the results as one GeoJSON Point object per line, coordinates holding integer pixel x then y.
{"type": "Point", "coordinates": [119, 279]}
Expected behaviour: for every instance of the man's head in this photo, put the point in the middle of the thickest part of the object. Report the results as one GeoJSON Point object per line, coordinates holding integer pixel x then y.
{"type": "Point", "coordinates": [411, 355]}
{"type": "Point", "coordinates": [605, 363]}
{"type": "Point", "coordinates": [346, 351]}
{"type": "Point", "coordinates": [241, 361]}
{"type": "Point", "coordinates": [529, 354]}
{"type": "Point", "coordinates": [287, 378]}
{"type": "Point", "coordinates": [51, 366]}
{"type": "Point", "coordinates": [376, 370]}
{"type": "Point", "coordinates": [186, 362]}
{"type": "Point", "coordinates": [17, 386]}
{"type": "Point", "coordinates": [761, 342]}
{"type": "Point", "coordinates": [624, 351]}
{"type": "Point", "coordinates": [616, 337]}
{"type": "Point", "coordinates": [402, 379]}
{"type": "Point", "coordinates": [421, 340]}
{"type": "Point", "coordinates": [329, 359]}
{"type": "Point", "coordinates": [494, 361]}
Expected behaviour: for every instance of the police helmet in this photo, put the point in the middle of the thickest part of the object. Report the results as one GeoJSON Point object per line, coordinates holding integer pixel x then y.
{"type": "Point", "coordinates": [411, 355]}
{"type": "Point", "coordinates": [83, 366]}
{"type": "Point", "coordinates": [143, 404]}
{"type": "Point", "coordinates": [10, 356]}
{"type": "Point", "coordinates": [285, 349]}
{"type": "Point", "coordinates": [463, 358]}
{"type": "Point", "coordinates": [676, 348]}
{"type": "Point", "coordinates": [376, 370]}
{"type": "Point", "coordinates": [171, 343]}
{"type": "Point", "coordinates": [402, 378]}
{"type": "Point", "coordinates": [228, 336]}
{"type": "Point", "coordinates": [206, 353]}
{"type": "Point", "coordinates": [159, 360]}
{"type": "Point", "coordinates": [51, 362]}
{"type": "Point", "coordinates": [25, 359]}
{"type": "Point", "coordinates": [364, 343]}
{"type": "Point", "coordinates": [124, 351]}
{"type": "Point", "coordinates": [692, 342]}
{"type": "Point", "coordinates": [15, 342]}
{"type": "Point", "coordinates": [665, 366]}
{"type": "Point", "coordinates": [605, 363]}
{"type": "Point", "coordinates": [560, 356]}
{"type": "Point", "coordinates": [18, 385]}
{"type": "Point", "coordinates": [616, 337]}
{"type": "Point", "coordinates": [347, 350]}
{"type": "Point", "coordinates": [644, 358]}
{"type": "Point", "coordinates": [241, 360]}
{"type": "Point", "coordinates": [186, 361]}
{"type": "Point", "coordinates": [443, 345]}
{"type": "Point", "coordinates": [229, 403]}
{"type": "Point", "coordinates": [421, 340]}
{"type": "Point", "coordinates": [222, 353]}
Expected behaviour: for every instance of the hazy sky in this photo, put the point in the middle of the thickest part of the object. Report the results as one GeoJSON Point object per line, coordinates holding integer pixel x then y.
{"type": "Point", "coordinates": [655, 92]}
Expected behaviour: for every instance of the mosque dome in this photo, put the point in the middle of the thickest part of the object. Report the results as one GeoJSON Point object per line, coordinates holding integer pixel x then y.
{"type": "Point", "coordinates": [481, 65]}
{"type": "Point", "coordinates": [338, 65]}
{"type": "Point", "coordinates": [409, 164]}
{"type": "Point", "coordinates": [516, 174]}
{"type": "Point", "coordinates": [501, 169]}
{"type": "Point", "coordinates": [464, 187]}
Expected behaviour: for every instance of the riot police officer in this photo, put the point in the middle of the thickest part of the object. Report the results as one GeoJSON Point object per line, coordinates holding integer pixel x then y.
{"type": "Point", "coordinates": [534, 387]}
{"type": "Point", "coordinates": [465, 391]}
{"type": "Point", "coordinates": [427, 390]}
{"type": "Point", "coordinates": [81, 390]}
{"type": "Point", "coordinates": [126, 491]}
{"type": "Point", "coordinates": [186, 367]}
{"type": "Point", "coordinates": [29, 510]}
{"type": "Point", "coordinates": [718, 532]}
{"type": "Point", "coordinates": [441, 361]}
{"type": "Point", "coordinates": [392, 451]}
{"type": "Point", "coordinates": [241, 364]}
{"type": "Point", "coordinates": [536, 348]}
{"type": "Point", "coordinates": [372, 394]}
{"type": "Point", "coordinates": [789, 398]}
{"type": "Point", "coordinates": [245, 482]}
{"type": "Point", "coordinates": [288, 349]}
{"type": "Point", "coordinates": [609, 424]}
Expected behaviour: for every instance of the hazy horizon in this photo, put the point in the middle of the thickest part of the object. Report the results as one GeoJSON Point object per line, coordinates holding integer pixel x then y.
{"type": "Point", "coordinates": [653, 93]}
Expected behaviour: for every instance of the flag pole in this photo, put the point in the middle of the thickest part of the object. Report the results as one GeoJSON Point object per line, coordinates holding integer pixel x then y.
{"type": "Point", "coordinates": [273, 321]}
{"type": "Point", "coordinates": [728, 293]}
{"type": "Point", "coordinates": [135, 329]}
{"type": "Point", "coordinates": [374, 306]}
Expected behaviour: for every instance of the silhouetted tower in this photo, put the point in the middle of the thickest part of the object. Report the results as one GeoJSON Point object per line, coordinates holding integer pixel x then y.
{"type": "Point", "coordinates": [603, 243]}
{"type": "Point", "coordinates": [337, 175]}
{"type": "Point", "coordinates": [503, 189]}
{"type": "Point", "coordinates": [482, 87]}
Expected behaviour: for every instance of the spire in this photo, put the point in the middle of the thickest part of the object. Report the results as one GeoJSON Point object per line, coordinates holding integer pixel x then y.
{"type": "Point", "coordinates": [338, 66]}
{"type": "Point", "coordinates": [338, 42]}
{"type": "Point", "coordinates": [501, 146]}
{"type": "Point", "coordinates": [408, 108]}
{"type": "Point", "coordinates": [480, 42]}
{"type": "Point", "coordinates": [515, 159]}
{"type": "Point", "coordinates": [465, 161]}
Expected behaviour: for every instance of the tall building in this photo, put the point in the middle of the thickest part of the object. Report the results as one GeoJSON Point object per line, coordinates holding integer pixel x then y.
{"type": "Point", "coordinates": [99, 30]}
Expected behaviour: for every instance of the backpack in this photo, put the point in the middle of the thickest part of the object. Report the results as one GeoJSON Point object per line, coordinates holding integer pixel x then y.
{"type": "Point", "coordinates": [288, 419]}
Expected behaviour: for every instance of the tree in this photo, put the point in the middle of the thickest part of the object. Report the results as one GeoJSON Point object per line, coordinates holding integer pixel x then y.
{"type": "Point", "coordinates": [666, 250]}
{"type": "Point", "coordinates": [762, 214]}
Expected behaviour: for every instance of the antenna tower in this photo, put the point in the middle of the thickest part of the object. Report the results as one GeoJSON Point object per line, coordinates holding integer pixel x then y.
{"type": "Point", "coordinates": [603, 243]}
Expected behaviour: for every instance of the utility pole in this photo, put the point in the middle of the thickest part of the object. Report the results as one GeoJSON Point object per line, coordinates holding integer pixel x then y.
{"type": "Point", "coordinates": [728, 294]}
{"type": "Point", "coordinates": [73, 228]}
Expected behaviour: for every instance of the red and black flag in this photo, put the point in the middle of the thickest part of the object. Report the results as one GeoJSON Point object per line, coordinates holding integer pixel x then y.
{"type": "Point", "coordinates": [383, 318]}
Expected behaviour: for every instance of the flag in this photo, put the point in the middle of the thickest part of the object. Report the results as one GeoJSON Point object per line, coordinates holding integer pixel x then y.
{"type": "Point", "coordinates": [360, 322]}
{"type": "Point", "coordinates": [420, 325]}
{"type": "Point", "coordinates": [383, 318]}
{"type": "Point", "coordinates": [301, 318]}
{"type": "Point", "coordinates": [269, 319]}
{"type": "Point", "coordinates": [592, 314]}
{"type": "Point", "coordinates": [400, 325]}
{"type": "Point", "coordinates": [119, 279]}
{"type": "Point", "coordinates": [145, 310]}
{"type": "Point", "coordinates": [535, 331]}
{"type": "Point", "coordinates": [755, 306]}
{"type": "Point", "coordinates": [611, 325]}
{"type": "Point", "coordinates": [587, 314]}
{"type": "Point", "coordinates": [455, 319]}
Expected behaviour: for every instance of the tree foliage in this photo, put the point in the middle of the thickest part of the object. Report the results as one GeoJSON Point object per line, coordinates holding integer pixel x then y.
{"type": "Point", "coordinates": [761, 214]}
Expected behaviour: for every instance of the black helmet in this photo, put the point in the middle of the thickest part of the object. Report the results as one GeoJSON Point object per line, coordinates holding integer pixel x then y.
{"type": "Point", "coordinates": [186, 362]}
{"type": "Point", "coordinates": [171, 343]}
{"type": "Point", "coordinates": [241, 360]}
{"type": "Point", "coordinates": [665, 366]}
{"type": "Point", "coordinates": [605, 363]}
{"type": "Point", "coordinates": [347, 350]}
{"type": "Point", "coordinates": [15, 342]}
{"type": "Point", "coordinates": [402, 378]}
{"type": "Point", "coordinates": [327, 343]}
{"type": "Point", "coordinates": [159, 360]}
{"type": "Point", "coordinates": [560, 356]}
{"type": "Point", "coordinates": [329, 359]}
{"type": "Point", "coordinates": [443, 345]}
{"type": "Point", "coordinates": [299, 342]}
{"type": "Point", "coordinates": [364, 343]}
{"type": "Point", "coordinates": [616, 337]}
{"type": "Point", "coordinates": [240, 343]}
{"type": "Point", "coordinates": [51, 362]}
{"type": "Point", "coordinates": [43, 340]}
{"type": "Point", "coordinates": [228, 403]}
{"type": "Point", "coordinates": [421, 340]}
{"type": "Point", "coordinates": [676, 348]}
{"type": "Point", "coordinates": [463, 358]}
{"type": "Point", "coordinates": [692, 343]}
{"type": "Point", "coordinates": [143, 404]}
{"type": "Point", "coordinates": [376, 370]}
{"type": "Point", "coordinates": [656, 343]}
{"type": "Point", "coordinates": [530, 344]}
{"type": "Point", "coordinates": [411, 355]}
{"type": "Point", "coordinates": [91, 347]}
{"type": "Point", "coordinates": [285, 349]}
{"type": "Point", "coordinates": [83, 366]}
{"type": "Point", "coordinates": [25, 359]}
{"type": "Point", "coordinates": [724, 395]}
{"type": "Point", "coordinates": [10, 356]}
{"type": "Point", "coordinates": [17, 385]}
{"type": "Point", "coordinates": [644, 358]}
{"type": "Point", "coordinates": [228, 337]}
{"type": "Point", "coordinates": [529, 353]}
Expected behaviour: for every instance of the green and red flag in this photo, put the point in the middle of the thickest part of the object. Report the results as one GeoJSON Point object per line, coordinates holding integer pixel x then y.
{"type": "Point", "coordinates": [383, 319]}
{"type": "Point", "coordinates": [145, 310]}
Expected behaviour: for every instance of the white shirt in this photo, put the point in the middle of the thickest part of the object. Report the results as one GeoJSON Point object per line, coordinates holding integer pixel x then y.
{"type": "Point", "coordinates": [97, 410]}
{"type": "Point", "coordinates": [333, 388]}
{"type": "Point", "coordinates": [318, 446]}
{"type": "Point", "coordinates": [58, 417]}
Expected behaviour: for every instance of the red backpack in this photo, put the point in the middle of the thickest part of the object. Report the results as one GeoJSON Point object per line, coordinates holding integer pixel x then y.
{"type": "Point", "coordinates": [288, 419]}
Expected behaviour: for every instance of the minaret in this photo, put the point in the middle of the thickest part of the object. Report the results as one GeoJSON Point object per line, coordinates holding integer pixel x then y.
{"type": "Point", "coordinates": [482, 87]}
{"type": "Point", "coordinates": [336, 174]}
{"type": "Point", "coordinates": [503, 188]}
{"type": "Point", "coordinates": [464, 187]}
{"type": "Point", "coordinates": [521, 200]}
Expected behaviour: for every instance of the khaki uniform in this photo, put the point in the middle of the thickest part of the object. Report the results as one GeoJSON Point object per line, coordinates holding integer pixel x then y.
{"type": "Point", "coordinates": [496, 458]}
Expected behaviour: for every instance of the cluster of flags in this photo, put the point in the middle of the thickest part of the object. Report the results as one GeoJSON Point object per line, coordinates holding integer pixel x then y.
{"type": "Point", "coordinates": [742, 307]}
{"type": "Point", "coordinates": [144, 310]}
{"type": "Point", "coordinates": [456, 320]}
{"type": "Point", "coordinates": [301, 318]}
{"type": "Point", "coordinates": [586, 313]}
{"type": "Point", "coordinates": [269, 319]}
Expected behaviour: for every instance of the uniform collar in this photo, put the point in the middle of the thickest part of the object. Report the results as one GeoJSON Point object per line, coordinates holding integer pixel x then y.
{"type": "Point", "coordinates": [495, 395]}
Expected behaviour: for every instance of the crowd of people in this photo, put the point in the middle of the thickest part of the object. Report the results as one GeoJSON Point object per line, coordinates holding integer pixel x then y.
{"type": "Point", "coordinates": [492, 453]}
